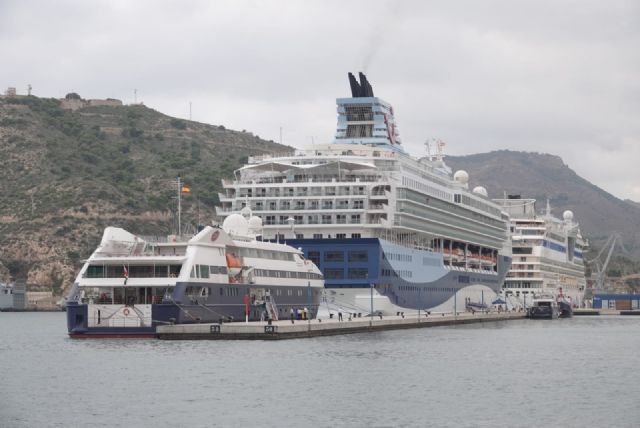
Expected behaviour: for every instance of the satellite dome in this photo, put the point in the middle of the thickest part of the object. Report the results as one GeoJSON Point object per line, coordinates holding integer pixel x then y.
{"type": "Point", "coordinates": [481, 191]}
{"type": "Point", "coordinates": [255, 223]}
{"type": "Point", "coordinates": [567, 215]}
{"type": "Point", "coordinates": [461, 176]}
{"type": "Point", "coordinates": [235, 224]}
{"type": "Point", "coordinates": [245, 212]}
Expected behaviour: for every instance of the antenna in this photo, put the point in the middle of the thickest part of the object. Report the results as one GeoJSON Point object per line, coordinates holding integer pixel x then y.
{"type": "Point", "coordinates": [427, 144]}
{"type": "Point", "coordinates": [29, 89]}
{"type": "Point", "coordinates": [548, 208]}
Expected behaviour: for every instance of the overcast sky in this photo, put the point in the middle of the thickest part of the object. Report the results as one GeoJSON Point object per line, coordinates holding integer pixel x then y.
{"type": "Point", "coordinates": [557, 76]}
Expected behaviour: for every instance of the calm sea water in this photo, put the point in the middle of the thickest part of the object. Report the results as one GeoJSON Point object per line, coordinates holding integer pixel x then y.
{"type": "Point", "coordinates": [582, 371]}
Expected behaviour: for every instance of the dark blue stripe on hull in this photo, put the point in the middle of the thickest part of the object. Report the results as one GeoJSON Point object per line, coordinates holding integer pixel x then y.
{"type": "Point", "coordinates": [343, 260]}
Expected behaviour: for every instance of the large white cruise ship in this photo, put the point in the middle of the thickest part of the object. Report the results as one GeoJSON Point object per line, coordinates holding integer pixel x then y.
{"type": "Point", "coordinates": [377, 221]}
{"type": "Point", "coordinates": [548, 255]}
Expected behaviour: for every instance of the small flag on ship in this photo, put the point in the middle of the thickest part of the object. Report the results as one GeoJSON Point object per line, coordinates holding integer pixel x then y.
{"type": "Point", "coordinates": [125, 273]}
{"type": "Point", "coordinates": [185, 189]}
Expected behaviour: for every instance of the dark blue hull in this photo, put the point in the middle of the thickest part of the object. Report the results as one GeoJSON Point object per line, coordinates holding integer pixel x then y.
{"type": "Point", "coordinates": [542, 312]}
{"type": "Point", "coordinates": [217, 306]}
{"type": "Point", "coordinates": [565, 309]}
{"type": "Point", "coordinates": [409, 278]}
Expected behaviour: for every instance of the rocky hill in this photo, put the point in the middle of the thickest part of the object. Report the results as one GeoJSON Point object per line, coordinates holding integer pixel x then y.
{"type": "Point", "coordinates": [68, 174]}
{"type": "Point", "coordinates": [543, 176]}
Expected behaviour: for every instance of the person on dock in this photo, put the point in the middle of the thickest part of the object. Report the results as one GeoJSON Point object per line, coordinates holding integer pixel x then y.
{"type": "Point", "coordinates": [292, 315]}
{"type": "Point", "coordinates": [339, 315]}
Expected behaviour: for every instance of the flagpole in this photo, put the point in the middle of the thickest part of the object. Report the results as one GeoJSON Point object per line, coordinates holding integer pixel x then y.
{"type": "Point", "coordinates": [179, 207]}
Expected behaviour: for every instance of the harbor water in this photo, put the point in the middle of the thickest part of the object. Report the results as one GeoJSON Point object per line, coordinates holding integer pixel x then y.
{"type": "Point", "coordinates": [573, 372]}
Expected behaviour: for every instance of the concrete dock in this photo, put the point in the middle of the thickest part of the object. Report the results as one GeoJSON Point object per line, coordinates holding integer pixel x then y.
{"type": "Point", "coordinates": [284, 329]}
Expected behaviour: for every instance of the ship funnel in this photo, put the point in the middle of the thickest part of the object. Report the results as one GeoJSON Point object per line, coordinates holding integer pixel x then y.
{"type": "Point", "coordinates": [361, 89]}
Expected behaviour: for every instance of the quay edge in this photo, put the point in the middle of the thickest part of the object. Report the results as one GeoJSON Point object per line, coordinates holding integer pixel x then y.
{"type": "Point", "coordinates": [279, 330]}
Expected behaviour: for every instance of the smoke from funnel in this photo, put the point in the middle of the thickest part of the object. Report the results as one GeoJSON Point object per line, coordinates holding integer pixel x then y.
{"type": "Point", "coordinates": [380, 31]}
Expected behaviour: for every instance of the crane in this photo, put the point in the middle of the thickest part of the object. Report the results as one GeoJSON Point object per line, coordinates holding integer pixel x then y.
{"type": "Point", "coordinates": [600, 269]}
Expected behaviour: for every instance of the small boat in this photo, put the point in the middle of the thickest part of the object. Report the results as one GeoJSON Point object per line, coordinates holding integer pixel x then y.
{"type": "Point", "coordinates": [543, 307]}
{"type": "Point", "coordinates": [565, 309]}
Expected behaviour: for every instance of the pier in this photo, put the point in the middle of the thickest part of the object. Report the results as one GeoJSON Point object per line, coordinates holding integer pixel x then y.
{"type": "Point", "coordinates": [284, 329]}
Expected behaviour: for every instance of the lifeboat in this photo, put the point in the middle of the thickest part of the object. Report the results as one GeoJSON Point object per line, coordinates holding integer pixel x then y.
{"type": "Point", "coordinates": [234, 264]}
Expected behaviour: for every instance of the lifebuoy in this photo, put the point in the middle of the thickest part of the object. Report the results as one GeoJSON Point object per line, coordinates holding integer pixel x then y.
{"type": "Point", "coordinates": [126, 312]}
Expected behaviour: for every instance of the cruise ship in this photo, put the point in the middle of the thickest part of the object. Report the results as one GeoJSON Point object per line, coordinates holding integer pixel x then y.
{"type": "Point", "coordinates": [390, 232]}
{"type": "Point", "coordinates": [130, 284]}
{"type": "Point", "coordinates": [548, 255]}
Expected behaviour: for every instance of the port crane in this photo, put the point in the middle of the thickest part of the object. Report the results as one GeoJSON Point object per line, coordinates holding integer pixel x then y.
{"type": "Point", "coordinates": [600, 268]}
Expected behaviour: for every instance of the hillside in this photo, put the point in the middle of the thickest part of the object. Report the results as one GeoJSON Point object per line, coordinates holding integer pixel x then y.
{"type": "Point", "coordinates": [542, 176]}
{"type": "Point", "coordinates": [68, 174]}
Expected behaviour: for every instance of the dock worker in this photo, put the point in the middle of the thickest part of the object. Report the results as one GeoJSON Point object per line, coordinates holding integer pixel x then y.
{"type": "Point", "coordinates": [292, 315]}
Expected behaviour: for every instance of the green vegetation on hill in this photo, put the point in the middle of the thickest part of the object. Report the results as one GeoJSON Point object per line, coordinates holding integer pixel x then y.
{"type": "Point", "coordinates": [68, 174]}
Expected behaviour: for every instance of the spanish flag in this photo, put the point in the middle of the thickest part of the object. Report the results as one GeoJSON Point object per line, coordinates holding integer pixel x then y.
{"type": "Point", "coordinates": [185, 189]}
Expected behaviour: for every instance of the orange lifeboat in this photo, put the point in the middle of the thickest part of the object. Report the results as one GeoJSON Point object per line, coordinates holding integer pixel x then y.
{"type": "Point", "coordinates": [233, 264]}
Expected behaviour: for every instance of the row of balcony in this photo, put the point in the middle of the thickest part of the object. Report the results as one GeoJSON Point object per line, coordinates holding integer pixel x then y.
{"type": "Point", "coordinates": [297, 208]}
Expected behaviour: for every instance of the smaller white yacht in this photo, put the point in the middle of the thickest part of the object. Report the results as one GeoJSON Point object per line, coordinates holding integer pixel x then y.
{"type": "Point", "coordinates": [130, 285]}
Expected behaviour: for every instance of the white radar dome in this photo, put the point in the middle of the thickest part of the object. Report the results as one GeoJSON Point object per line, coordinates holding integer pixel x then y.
{"type": "Point", "coordinates": [461, 176]}
{"type": "Point", "coordinates": [255, 223]}
{"type": "Point", "coordinates": [245, 212]}
{"type": "Point", "coordinates": [567, 215]}
{"type": "Point", "coordinates": [481, 191]}
{"type": "Point", "coordinates": [235, 224]}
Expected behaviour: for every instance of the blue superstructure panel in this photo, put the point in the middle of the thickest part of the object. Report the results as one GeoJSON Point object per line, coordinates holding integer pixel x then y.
{"type": "Point", "coordinates": [344, 262]}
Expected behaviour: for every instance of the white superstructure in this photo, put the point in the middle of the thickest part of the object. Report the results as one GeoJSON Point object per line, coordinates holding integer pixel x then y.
{"type": "Point", "coordinates": [548, 254]}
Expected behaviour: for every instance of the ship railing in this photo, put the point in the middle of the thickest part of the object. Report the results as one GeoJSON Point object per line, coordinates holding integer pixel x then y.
{"type": "Point", "coordinates": [155, 239]}
{"type": "Point", "coordinates": [282, 180]}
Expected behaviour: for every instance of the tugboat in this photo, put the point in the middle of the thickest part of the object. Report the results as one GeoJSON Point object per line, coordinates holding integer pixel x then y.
{"type": "Point", "coordinates": [564, 306]}
{"type": "Point", "coordinates": [543, 307]}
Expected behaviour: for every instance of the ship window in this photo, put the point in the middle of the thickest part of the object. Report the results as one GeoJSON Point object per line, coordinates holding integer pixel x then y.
{"type": "Point", "coordinates": [204, 271]}
{"type": "Point", "coordinates": [174, 270]}
{"type": "Point", "coordinates": [193, 272]}
{"type": "Point", "coordinates": [355, 235]}
{"type": "Point", "coordinates": [299, 236]}
{"type": "Point", "coordinates": [334, 273]}
{"type": "Point", "coordinates": [317, 236]}
{"type": "Point", "coordinates": [358, 273]}
{"type": "Point", "coordinates": [314, 256]}
{"type": "Point", "coordinates": [334, 256]}
{"type": "Point", "coordinates": [457, 198]}
{"type": "Point", "coordinates": [358, 256]}
{"type": "Point", "coordinates": [341, 235]}
{"type": "Point", "coordinates": [94, 271]}
{"type": "Point", "coordinates": [141, 271]}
